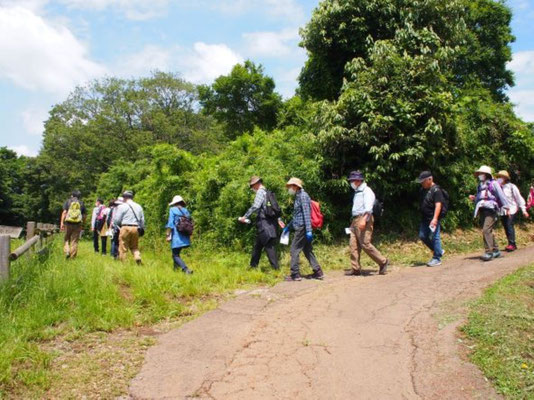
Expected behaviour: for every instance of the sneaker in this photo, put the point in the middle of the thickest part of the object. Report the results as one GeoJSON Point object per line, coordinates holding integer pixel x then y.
{"type": "Point", "coordinates": [384, 268]}
{"type": "Point", "coordinates": [487, 257]}
{"type": "Point", "coordinates": [442, 253]}
{"type": "Point", "coordinates": [187, 271]}
{"type": "Point", "coordinates": [293, 278]}
{"type": "Point", "coordinates": [319, 275]}
{"type": "Point", "coordinates": [353, 272]}
{"type": "Point", "coordinates": [510, 248]}
{"type": "Point", "coordinates": [497, 254]}
{"type": "Point", "coordinates": [67, 256]}
{"type": "Point", "coordinates": [433, 263]}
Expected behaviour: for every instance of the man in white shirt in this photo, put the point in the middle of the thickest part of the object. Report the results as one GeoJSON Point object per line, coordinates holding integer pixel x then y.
{"type": "Point", "coordinates": [362, 226]}
{"type": "Point", "coordinates": [130, 217]}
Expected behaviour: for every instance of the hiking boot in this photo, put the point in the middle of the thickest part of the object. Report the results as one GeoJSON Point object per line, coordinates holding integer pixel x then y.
{"type": "Point", "coordinates": [353, 272]}
{"type": "Point", "coordinates": [487, 257]}
{"type": "Point", "coordinates": [319, 275]}
{"type": "Point", "coordinates": [433, 263]}
{"type": "Point", "coordinates": [384, 268]}
{"type": "Point", "coordinates": [510, 248]}
{"type": "Point", "coordinates": [497, 254]}
{"type": "Point", "coordinates": [139, 262]}
{"type": "Point", "coordinates": [293, 278]}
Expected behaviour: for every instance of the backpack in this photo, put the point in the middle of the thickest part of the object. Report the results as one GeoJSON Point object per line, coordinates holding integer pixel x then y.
{"type": "Point", "coordinates": [378, 208]}
{"type": "Point", "coordinates": [100, 219]}
{"type": "Point", "coordinates": [185, 225]}
{"type": "Point", "coordinates": [317, 217]}
{"type": "Point", "coordinates": [272, 209]}
{"type": "Point", "coordinates": [74, 213]}
{"type": "Point", "coordinates": [491, 189]}
{"type": "Point", "coordinates": [446, 201]}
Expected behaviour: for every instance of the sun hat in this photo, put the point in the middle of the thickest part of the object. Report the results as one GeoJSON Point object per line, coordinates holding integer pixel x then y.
{"type": "Point", "coordinates": [484, 170]}
{"type": "Point", "coordinates": [423, 176]}
{"type": "Point", "coordinates": [503, 174]}
{"type": "Point", "coordinates": [356, 176]}
{"type": "Point", "coordinates": [253, 180]}
{"type": "Point", "coordinates": [176, 200]}
{"type": "Point", "coordinates": [294, 181]}
{"type": "Point", "coordinates": [119, 200]}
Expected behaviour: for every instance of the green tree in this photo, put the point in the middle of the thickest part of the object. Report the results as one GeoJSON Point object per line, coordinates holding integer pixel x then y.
{"type": "Point", "coordinates": [242, 100]}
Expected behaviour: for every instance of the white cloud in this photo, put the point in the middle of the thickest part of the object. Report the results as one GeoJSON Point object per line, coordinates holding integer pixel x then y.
{"type": "Point", "coordinates": [33, 120]}
{"type": "Point", "coordinates": [133, 9]}
{"type": "Point", "coordinates": [272, 44]}
{"type": "Point", "coordinates": [23, 150]}
{"type": "Point", "coordinates": [39, 55]}
{"type": "Point", "coordinates": [522, 95]}
{"type": "Point", "coordinates": [151, 58]}
{"type": "Point", "coordinates": [208, 61]}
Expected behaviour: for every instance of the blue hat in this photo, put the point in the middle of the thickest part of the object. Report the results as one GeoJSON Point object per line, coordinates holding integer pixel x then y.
{"type": "Point", "coordinates": [356, 176]}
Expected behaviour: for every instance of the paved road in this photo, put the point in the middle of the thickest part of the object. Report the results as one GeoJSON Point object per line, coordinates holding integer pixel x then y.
{"type": "Point", "coordinates": [372, 337]}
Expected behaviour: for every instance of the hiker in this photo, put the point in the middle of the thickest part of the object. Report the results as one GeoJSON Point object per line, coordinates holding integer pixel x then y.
{"type": "Point", "coordinates": [530, 199]}
{"type": "Point", "coordinates": [301, 224]}
{"type": "Point", "coordinates": [178, 237]}
{"type": "Point", "coordinates": [489, 201]}
{"type": "Point", "coordinates": [516, 202]}
{"type": "Point", "coordinates": [114, 230]}
{"type": "Point", "coordinates": [268, 212]}
{"type": "Point", "coordinates": [129, 217]}
{"type": "Point", "coordinates": [433, 207]}
{"type": "Point", "coordinates": [72, 219]}
{"type": "Point", "coordinates": [98, 222]}
{"type": "Point", "coordinates": [361, 228]}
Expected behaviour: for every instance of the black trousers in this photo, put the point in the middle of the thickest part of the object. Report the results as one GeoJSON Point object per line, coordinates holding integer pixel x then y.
{"type": "Point", "coordinates": [270, 249]}
{"type": "Point", "coordinates": [103, 239]}
{"type": "Point", "coordinates": [508, 223]}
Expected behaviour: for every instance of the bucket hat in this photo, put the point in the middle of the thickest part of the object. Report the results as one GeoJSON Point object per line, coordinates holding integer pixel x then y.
{"type": "Point", "coordinates": [356, 176]}
{"type": "Point", "coordinates": [176, 200]}
{"type": "Point", "coordinates": [294, 181]}
{"type": "Point", "coordinates": [253, 180]}
{"type": "Point", "coordinates": [484, 170]}
{"type": "Point", "coordinates": [503, 174]}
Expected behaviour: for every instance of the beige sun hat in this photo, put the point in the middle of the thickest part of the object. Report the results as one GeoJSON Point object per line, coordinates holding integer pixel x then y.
{"type": "Point", "coordinates": [119, 200]}
{"type": "Point", "coordinates": [253, 180]}
{"type": "Point", "coordinates": [176, 200]}
{"type": "Point", "coordinates": [503, 174]}
{"type": "Point", "coordinates": [294, 181]}
{"type": "Point", "coordinates": [484, 170]}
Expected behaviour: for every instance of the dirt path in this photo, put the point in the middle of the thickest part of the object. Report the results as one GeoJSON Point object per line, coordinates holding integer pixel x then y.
{"type": "Point", "coordinates": [372, 337]}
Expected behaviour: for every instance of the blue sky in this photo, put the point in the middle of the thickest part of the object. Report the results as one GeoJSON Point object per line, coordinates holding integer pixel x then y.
{"type": "Point", "coordinates": [47, 47]}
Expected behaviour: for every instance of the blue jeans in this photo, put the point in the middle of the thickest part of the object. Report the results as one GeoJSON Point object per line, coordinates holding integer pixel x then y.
{"type": "Point", "coordinates": [431, 240]}
{"type": "Point", "coordinates": [178, 262]}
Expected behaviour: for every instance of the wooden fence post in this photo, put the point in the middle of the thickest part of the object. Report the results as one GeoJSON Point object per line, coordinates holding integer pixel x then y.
{"type": "Point", "coordinates": [30, 230]}
{"type": "Point", "coordinates": [4, 256]}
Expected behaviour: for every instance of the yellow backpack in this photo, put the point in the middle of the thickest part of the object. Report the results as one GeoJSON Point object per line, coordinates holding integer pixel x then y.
{"type": "Point", "coordinates": [74, 214]}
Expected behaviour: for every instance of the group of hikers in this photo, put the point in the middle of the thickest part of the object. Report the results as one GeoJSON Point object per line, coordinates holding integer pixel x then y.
{"type": "Point", "coordinates": [123, 221]}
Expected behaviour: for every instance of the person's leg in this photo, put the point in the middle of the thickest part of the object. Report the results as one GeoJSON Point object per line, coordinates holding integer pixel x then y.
{"type": "Point", "coordinates": [96, 238]}
{"type": "Point", "coordinates": [66, 239]}
{"type": "Point", "coordinates": [123, 247]}
{"type": "Point", "coordinates": [74, 239]}
{"type": "Point", "coordinates": [178, 262]}
{"type": "Point", "coordinates": [425, 235]}
{"type": "Point", "coordinates": [296, 247]}
{"type": "Point", "coordinates": [270, 249]}
{"type": "Point", "coordinates": [308, 253]}
{"type": "Point", "coordinates": [134, 245]}
{"type": "Point", "coordinates": [436, 241]}
{"type": "Point", "coordinates": [104, 240]}
{"type": "Point", "coordinates": [355, 250]}
{"type": "Point", "coordinates": [489, 219]}
{"type": "Point", "coordinates": [512, 230]}
{"type": "Point", "coordinates": [365, 238]}
{"type": "Point", "coordinates": [256, 252]}
{"type": "Point", "coordinates": [508, 224]}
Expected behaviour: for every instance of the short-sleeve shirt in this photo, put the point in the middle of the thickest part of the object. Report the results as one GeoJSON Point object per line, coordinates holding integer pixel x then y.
{"type": "Point", "coordinates": [67, 204]}
{"type": "Point", "coordinates": [429, 200]}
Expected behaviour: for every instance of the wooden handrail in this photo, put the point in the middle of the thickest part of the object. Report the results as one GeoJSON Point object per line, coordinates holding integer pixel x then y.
{"type": "Point", "coordinates": [24, 248]}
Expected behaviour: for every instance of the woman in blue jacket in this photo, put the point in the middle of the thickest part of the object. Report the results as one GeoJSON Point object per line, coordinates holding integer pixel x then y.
{"type": "Point", "coordinates": [177, 239]}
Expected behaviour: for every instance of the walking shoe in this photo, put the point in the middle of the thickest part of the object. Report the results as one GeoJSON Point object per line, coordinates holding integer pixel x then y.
{"type": "Point", "coordinates": [67, 256]}
{"type": "Point", "coordinates": [353, 272]}
{"type": "Point", "coordinates": [442, 253]}
{"type": "Point", "coordinates": [319, 275]}
{"type": "Point", "coordinates": [497, 254]}
{"type": "Point", "coordinates": [433, 263]}
{"type": "Point", "coordinates": [187, 271]}
{"type": "Point", "coordinates": [139, 262]}
{"type": "Point", "coordinates": [510, 248]}
{"type": "Point", "coordinates": [293, 278]}
{"type": "Point", "coordinates": [384, 268]}
{"type": "Point", "coordinates": [487, 257]}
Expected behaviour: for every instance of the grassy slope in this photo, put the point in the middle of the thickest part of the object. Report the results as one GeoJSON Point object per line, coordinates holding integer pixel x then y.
{"type": "Point", "coordinates": [501, 331]}
{"type": "Point", "coordinates": [79, 324]}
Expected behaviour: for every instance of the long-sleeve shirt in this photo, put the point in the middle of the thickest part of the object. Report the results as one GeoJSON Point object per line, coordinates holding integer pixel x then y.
{"type": "Point", "coordinates": [512, 194]}
{"type": "Point", "coordinates": [302, 211]}
{"type": "Point", "coordinates": [129, 213]}
{"type": "Point", "coordinates": [96, 211]}
{"type": "Point", "coordinates": [259, 201]}
{"type": "Point", "coordinates": [490, 196]}
{"type": "Point", "coordinates": [178, 240]}
{"type": "Point", "coordinates": [364, 199]}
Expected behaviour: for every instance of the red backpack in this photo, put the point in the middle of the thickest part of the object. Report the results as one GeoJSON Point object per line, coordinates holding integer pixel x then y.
{"type": "Point", "coordinates": [317, 217]}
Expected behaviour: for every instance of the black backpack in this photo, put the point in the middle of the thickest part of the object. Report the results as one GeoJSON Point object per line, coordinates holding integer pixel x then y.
{"type": "Point", "coordinates": [185, 225]}
{"type": "Point", "coordinates": [272, 209]}
{"type": "Point", "coordinates": [446, 200]}
{"type": "Point", "coordinates": [378, 208]}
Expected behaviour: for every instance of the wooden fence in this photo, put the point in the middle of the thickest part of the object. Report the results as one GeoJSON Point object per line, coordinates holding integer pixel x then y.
{"type": "Point", "coordinates": [37, 235]}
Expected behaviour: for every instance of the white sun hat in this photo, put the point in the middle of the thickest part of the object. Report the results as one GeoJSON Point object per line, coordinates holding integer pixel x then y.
{"type": "Point", "coordinates": [484, 170]}
{"type": "Point", "coordinates": [176, 200]}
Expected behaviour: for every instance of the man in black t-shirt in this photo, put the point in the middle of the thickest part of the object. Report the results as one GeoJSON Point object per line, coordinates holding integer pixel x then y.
{"type": "Point", "coordinates": [432, 200]}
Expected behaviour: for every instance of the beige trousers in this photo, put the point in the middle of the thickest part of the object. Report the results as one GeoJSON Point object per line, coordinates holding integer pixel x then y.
{"type": "Point", "coordinates": [129, 240]}
{"type": "Point", "coordinates": [361, 240]}
{"type": "Point", "coordinates": [72, 237]}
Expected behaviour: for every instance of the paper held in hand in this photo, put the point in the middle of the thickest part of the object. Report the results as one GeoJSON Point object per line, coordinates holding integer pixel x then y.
{"type": "Point", "coordinates": [284, 238]}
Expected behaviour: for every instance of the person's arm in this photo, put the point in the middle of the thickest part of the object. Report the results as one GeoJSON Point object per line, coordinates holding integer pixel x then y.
{"type": "Point", "coordinates": [93, 218]}
{"type": "Point", "coordinates": [170, 225]}
{"type": "Point", "coordinates": [368, 201]}
{"type": "Point", "coordinates": [521, 203]}
{"type": "Point", "coordinates": [306, 211]}
{"type": "Point", "coordinates": [117, 218]}
{"type": "Point", "coordinates": [258, 203]}
{"type": "Point", "coordinates": [438, 206]}
{"type": "Point", "coordinates": [62, 220]}
{"type": "Point", "coordinates": [141, 218]}
{"type": "Point", "coordinates": [500, 195]}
